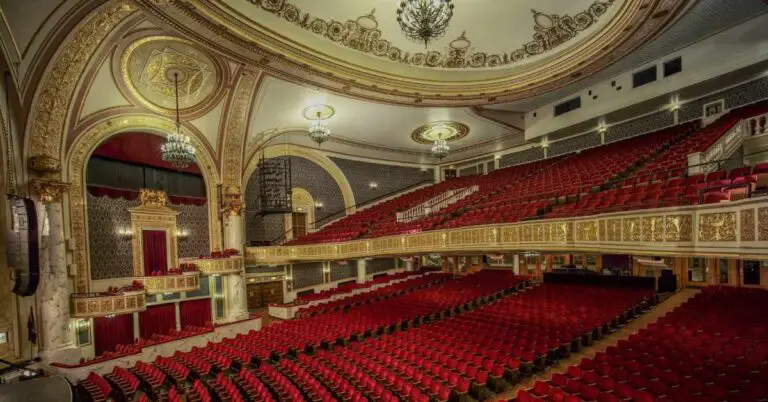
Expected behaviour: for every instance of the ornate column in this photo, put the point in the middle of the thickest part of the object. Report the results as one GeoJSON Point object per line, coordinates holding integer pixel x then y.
{"type": "Point", "coordinates": [516, 264]}
{"type": "Point", "coordinates": [55, 289]}
{"type": "Point", "coordinates": [233, 238]}
{"type": "Point", "coordinates": [361, 271]}
{"type": "Point", "coordinates": [233, 219]}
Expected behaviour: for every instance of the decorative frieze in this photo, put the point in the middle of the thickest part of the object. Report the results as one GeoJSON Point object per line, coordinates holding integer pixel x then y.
{"type": "Point", "coordinates": [101, 305]}
{"type": "Point", "coordinates": [186, 282]}
{"type": "Point", "coordinates": [218, 266]}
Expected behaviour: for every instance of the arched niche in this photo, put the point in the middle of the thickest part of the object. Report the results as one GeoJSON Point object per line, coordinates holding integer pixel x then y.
{"type": "Point", "coordinates": [302, 202]}
{"type": "Point", "coordinates": [76, 163]}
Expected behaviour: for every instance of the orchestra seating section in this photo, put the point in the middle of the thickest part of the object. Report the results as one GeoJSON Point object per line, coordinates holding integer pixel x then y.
{"type": "Point", "coordinates": [459, 339]}
{"type": "Point", "coordinates": [714, 347]}
{"type": "Point", "coordinates": [395, 289]}
{"type": "Point", "coordinates": [647, 171]}
{"type": "Point", "coordinates": [351, 287]}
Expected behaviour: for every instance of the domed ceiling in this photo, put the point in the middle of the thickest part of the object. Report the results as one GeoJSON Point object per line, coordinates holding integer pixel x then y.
{"type": "Point", "coordinates": [492, 51]}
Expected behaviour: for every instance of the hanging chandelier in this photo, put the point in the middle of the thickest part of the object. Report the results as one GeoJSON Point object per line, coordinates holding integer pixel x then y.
{"type": "Point", "coordinates": [440, 148]}
{"type": "Point", "coordinates": [319, 131]}
{"type": "Point", "coordinates": [424, 20]}
{"type": "Point", "coordinates": [178, 149]}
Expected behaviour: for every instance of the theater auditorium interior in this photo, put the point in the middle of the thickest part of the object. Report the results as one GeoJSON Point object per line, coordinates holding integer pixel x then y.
{"type": "Point", "coordinates": [384, 200]}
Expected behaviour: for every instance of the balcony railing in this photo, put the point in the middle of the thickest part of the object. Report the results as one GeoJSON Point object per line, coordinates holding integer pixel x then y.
{"type": "Point", "coordinates": [185, 282]}
{"type": "Point", "coordinates": [105, 304]}
{"type": "Point", "coordinates": [218, 266]}
{"type": "Point", "coordinates": [736, 228]}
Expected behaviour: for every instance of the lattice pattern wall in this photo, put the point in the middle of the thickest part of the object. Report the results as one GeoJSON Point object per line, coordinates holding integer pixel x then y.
{"type": "Point", "coordinates": [646, 124]}
{"type": "Point", "coordinates": [194, 220]}
{"type": "Point", "coordinates": [339, 271]}
{"type": "Point", "coordinates": [574, 144]}
{"type": "Point", "coordinates": [468, 171]}
{"type": "Point", "coordinates": [307, 274]}
{"type": "Point", "coordinates": [517, 158]}
{"type": "Point", "coordinates": [389, 178]}
{"type": "Point", "coordinates": [304, 174]}
{"type": "Point", "coordinates": [737, 96]}
{"type": "Point", "coordinates": [111, 255]}
{"type": "Point", "coordinates": [265, 269]}
{"type": "Point", "coordinates": [376, 265]}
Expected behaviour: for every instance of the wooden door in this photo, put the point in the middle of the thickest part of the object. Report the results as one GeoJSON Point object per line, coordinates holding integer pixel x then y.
{"type": "Point", "coordinates": [299, 220]}
{"type": "Point", "coordinates": [254, 296]}
{"type": "Point", "coordinates": [272, 292]}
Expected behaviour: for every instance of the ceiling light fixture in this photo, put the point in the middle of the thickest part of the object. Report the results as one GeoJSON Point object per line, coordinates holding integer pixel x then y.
{"type": "Point", "coordinates": [440, 148]}
{"type": "Point", "coordinates": [319, 131]}
{"type": "Point", "coordinates": [423, 21]}
{"type": "Point", "coordinates": [178, 149]}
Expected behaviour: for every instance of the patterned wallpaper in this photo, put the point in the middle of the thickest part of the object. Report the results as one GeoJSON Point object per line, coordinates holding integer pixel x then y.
{"type": "Point", "coordinates": [574, 144]}
{"type": "Point", "coordinates": [646, 124]}
{"type": "Point", "coordinates": [388, 177]}
{"type": "Point", "coordinates": [737, 96]}
{"type": "Point", "coordinates": [339, 272]}
{"type": "Point", "coordinates": [193, 219]}
{"type": "Point", "coordinates": [305, 174]}
{"type": "Point", "coordinates": [265, 269]}
{"type": "Point", "coordinates": [111, 255]}
{"type": "Point", "coordinates": [517, 158]}
{"type": "Point", "coordinates": [307, 274]}
{"type": "Point", "coordinates": [376, 265]}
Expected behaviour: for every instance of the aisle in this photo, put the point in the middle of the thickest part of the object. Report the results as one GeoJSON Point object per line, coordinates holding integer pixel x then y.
{"type": "Point", "coordinates": [610, 340]}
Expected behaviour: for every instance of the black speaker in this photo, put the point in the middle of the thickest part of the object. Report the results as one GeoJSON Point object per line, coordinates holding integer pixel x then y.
{"type": "Point", "coordinates": [22, 246]}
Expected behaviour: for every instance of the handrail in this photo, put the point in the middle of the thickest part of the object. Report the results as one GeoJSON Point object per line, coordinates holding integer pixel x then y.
{"type": "Point", "coordinates": [436, 203]}
{"type": "Point", "coordinates": [343, 212]}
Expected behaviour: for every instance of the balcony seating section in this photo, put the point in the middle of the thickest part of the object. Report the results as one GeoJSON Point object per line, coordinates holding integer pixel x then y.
{"type": "Point", "coordinates": [664, 181]}
{"type": "Point", "coordinates": [647, 171]}
{"type": "Point", "coordinates": [358, 224]}
{"type": "Point", "coordinates": [96, 387]}
{"type": "Point", "coordinates": [714, 347]}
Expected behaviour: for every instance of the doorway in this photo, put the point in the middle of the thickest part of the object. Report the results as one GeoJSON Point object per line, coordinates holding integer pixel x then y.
{"type": "Point", "coordinates": [261, 295]}
{"type": "Point", "coordinates": [299, 224]}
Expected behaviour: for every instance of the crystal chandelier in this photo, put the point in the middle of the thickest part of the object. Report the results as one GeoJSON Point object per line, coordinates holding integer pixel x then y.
{"type": "Point", "coordinates": [424, 20]}
{"type": "Point", "coordinates": [178, 149]}
{"type": "Point", "coordinates": [440, 148]}
{"type": "Point", "coordinates": [319, 131]}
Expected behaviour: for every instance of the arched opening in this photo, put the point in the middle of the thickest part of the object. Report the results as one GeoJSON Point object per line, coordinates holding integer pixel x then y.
{"type": "Point", "coordinates": [115, 173]}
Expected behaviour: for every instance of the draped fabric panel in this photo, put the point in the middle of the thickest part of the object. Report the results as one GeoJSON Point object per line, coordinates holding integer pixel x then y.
{"type": "Point", "coordinates": [195, 312]}
{"type": "Point", "coordinates": [159, 320]}
{"type": "Point", "coordinates": [108, 332]}
{"type": "Point", "coordinates": [130, 195]}
{"type": "Point", "coordinates": [155, 251]}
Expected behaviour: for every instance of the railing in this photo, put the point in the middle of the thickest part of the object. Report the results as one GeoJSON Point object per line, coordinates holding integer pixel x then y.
{"type": "Point", "coordinates": [103, 304]}
{"type": "Point", "coordinates": [330, 218]}
{"type": "Point", "coordinates": [435, 204]}
{"type": "Point", "coordinates": [218, 266]}
{"type": "Point", "coordinates": [700, 162]}
{"type": "Point", "coordinates": [185, 282]}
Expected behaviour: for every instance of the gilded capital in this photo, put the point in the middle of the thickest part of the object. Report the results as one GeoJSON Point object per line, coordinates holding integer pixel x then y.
{"type": "Point", "coordinates": [50, 190]}
{"type": "Point", "coordinates": [233, 204]}
{"type": "Point", "coordinates": [44, 164]}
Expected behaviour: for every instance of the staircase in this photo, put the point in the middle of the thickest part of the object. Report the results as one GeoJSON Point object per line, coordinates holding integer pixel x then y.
{"type": "Point", "coordinates": [436, 204]}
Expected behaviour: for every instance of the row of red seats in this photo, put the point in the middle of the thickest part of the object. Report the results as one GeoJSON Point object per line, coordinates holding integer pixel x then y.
{"type": "Point", "coordinates": [173, 368]}
{"type": "Point", "coordinates": [96, 387]}
{"type": "Point", "coordinates": [395, 289]}
{"type": "Point", "coordinates": [198, 393]}
{"type": "Point", "coordinates": [226, 389]}
{"type": "Point", "coordinates": [253, 386]}
{"type": "Point", "coordinates": [150, 374]}
{"type": "Point", "coordinates": [332, 379]}
{"type": "Point", "coordinates": [314, 389]}
{"type": "Point", "coordinates": [347, 288]}
{"type": "Point", "coordinates": [712, 348]}
{"type": "Point", "coordinates": [125, 381]}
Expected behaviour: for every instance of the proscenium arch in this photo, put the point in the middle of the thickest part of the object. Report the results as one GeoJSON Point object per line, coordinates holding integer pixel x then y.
{"type": "Point", "coordinates": [276, 151]}
{"type": "Point", "coordinates": [77, 158]}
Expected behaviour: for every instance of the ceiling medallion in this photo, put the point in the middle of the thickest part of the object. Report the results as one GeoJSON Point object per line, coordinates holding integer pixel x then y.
{"type": "Point", "coordinates": [423, 21]}
{"type": "Point", "coordinates": [549, 32]}
{"type": "Point", "coordinates": [447, 131]}
{"type": "Point", "coordinates": [319, 131]}
{"type": "Point", "coordinates": [178, 149]}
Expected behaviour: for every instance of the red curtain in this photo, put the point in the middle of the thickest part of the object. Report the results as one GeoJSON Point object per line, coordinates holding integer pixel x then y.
{"type": "Point", "coordinates": [195, 312]}
{"type": "Point", "coordinates": [159, 320]}
{"type": "Point", "coordinates": [155, 251]}
{"type": "Point", "coordinates": [108, 332]}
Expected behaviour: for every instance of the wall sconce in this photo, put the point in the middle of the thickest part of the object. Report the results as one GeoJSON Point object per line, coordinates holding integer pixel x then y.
{"type": "Point", "coordinates": [373, 185]}
{"type": "Point", "coordinates": [318, 205]}
{"type": "Point", "coordinates": [125, 233]}
{"type": "Point", "coordinates": [545, 142]}
{"type": "Point", "coordinates": [182, 234]}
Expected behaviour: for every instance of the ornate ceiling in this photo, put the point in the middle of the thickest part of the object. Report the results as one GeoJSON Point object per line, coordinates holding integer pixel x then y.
{"type": "Point", "coordinates": [492, 53]}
